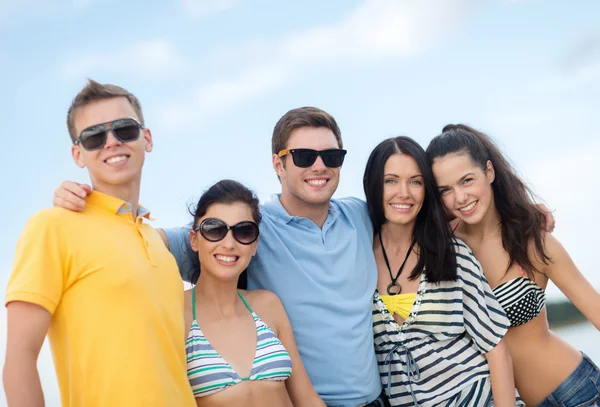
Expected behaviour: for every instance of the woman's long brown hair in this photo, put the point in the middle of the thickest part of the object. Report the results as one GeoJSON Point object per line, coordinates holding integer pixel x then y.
{"type": "Point", "coordinates": [522, 221]}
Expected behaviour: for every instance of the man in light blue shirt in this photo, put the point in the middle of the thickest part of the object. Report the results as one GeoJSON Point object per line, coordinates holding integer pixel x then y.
{"type": "Point", "coordinates": [316, 254]}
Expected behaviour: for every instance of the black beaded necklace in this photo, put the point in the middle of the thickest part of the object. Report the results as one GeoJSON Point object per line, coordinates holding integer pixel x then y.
{"type": "Point", "coordinates": [394, 288]}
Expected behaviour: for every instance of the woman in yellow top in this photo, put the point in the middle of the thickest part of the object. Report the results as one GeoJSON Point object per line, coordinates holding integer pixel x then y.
{"type": "Point", "coordinates": [438, 328]}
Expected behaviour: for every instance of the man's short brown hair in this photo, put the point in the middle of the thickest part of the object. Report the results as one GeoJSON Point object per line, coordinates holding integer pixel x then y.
{"type": "Point", "coordinates": [95, 91]}
{"type": "Point", "coordinates": [302, 117]}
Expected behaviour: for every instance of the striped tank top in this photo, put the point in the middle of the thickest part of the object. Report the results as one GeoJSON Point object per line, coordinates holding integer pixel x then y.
{"type": "Point", "coordinates": [208, 372]}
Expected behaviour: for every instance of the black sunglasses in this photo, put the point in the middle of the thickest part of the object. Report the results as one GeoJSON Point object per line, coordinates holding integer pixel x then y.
{"type": "Point", "coordinates": [305, 157]}
{"type": "Point", "coordinates": [214, 230]}
{"type": "Point", "coordinates": [94, 137]}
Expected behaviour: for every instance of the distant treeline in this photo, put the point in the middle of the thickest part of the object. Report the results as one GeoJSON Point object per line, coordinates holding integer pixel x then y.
{"type": "Point", "coordinates": [563, 313]}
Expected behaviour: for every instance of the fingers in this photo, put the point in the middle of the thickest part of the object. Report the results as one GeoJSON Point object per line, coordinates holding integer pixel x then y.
{"type": "Point", "coordinates": [70, 195]}
{"type": "Point", "coordinates": [80, 190]}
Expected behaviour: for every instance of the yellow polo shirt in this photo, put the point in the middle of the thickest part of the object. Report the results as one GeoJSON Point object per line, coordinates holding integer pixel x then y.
{"type": "Point", "coordinates": [116, 299]}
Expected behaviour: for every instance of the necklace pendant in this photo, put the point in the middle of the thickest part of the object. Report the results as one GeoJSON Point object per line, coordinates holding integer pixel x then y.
{"type": "Point", "coordinates": [394, 288]}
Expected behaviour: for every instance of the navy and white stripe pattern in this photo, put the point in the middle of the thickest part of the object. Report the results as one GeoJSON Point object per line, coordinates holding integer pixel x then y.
{"type": "Point", "coordinates": [521, 298]}
{"type": "Point", "coordinates": [436, 358]}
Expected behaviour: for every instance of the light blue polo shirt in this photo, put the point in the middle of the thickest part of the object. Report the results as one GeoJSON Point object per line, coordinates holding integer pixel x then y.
{"type": "Point", "coordinates": [325, 278]}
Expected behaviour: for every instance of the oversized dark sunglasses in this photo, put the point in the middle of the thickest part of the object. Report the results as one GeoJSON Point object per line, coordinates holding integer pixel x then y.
{"type": "Point", "coordinates": [214, 230]}
{"type": "Point", "coordinates": [94, 137]}
{"type": "Point", "coordinates": [305, 157]}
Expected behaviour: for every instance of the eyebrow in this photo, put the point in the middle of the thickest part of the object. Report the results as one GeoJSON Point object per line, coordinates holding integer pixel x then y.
{"type": "Point", "coordinates": [460, 180]}
{"type": "Point", "coordinates": [395, 176]}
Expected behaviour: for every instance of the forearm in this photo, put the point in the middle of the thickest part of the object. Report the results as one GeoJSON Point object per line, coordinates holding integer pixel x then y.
{"type": "Point", "coordinates": [22, 382]}
{"type": "Point", "coordinates": [501, 375]}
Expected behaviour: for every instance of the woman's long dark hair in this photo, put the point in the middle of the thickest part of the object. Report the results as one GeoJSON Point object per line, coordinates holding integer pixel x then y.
{"type": "Point", "coordinates": [521, 220]}
{"type": "Point", "coordinates": [225, 192]}
{"type": "Point", "coordinates": [437, 258]}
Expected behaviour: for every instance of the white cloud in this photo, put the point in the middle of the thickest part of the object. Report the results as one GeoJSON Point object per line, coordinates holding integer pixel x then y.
{"type": "Point", "coordinates": [377, 29]}
{"type": "Point", "coordinates": [202, 8]}
{"type": "Point", "coordinates": [149, 58]}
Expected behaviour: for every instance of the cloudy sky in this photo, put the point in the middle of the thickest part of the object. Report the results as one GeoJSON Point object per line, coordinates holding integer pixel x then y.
{"type": "Point", "coordinates": [215, 75]}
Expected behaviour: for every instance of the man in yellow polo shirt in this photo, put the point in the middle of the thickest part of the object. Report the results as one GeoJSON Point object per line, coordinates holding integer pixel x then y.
{"type": "Point", "coordinates": [100, 283]}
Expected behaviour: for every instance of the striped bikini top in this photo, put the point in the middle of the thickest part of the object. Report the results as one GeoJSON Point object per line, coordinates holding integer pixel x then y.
{"type": "Point", "coordinates": [521, 298]}
{"type": "Point", "coordinates": [209, 373]}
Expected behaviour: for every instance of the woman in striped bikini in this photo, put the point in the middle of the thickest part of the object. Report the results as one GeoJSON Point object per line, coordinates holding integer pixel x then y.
{"type": "Point", "coordinates": [235, 357]}
{"type": "Point", "coordinates": [438, 328]}
{"type": "Point", "coordinates": [496, 217]}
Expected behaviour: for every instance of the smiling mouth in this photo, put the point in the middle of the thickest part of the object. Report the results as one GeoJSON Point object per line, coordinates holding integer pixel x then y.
{"type": "Point", "coordinates": [221, 258]}
{"type": "Point", "coordinates": [117, 159]}
{"type": "Point", "coordinates": [469, 207]}
{"type": "Point", "coordinates": [401, 206]}
{"type": "Point", "coordinates": [316, 182]}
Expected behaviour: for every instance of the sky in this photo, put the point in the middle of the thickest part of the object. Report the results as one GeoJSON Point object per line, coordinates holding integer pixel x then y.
{"type": "Point", "coordinates": [214, 76]}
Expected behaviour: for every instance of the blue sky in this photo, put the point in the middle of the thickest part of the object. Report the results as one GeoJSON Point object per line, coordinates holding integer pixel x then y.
{"type": "Point", "coordinates": [214, 76]}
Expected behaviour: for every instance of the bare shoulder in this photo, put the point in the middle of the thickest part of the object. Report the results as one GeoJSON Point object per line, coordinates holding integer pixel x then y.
{"type": "Point", "coordinates": [553, 249]}
{"type": "Point", "coordinates": [262, 299]}
{"type": "Point", "coordinates": [267, 306]}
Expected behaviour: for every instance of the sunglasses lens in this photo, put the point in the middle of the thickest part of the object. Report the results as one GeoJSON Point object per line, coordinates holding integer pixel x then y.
{"type": "Point", "coordinates": [93, 140]}
{"type": "Point", "coordinates": [127, 131]}
{"type": "Point", "coordinates": [245, 232]}
{"type": "Point", "coordinates": [213, 230]}
{"type": "Point", "coordinates": [304, 158]}
{"type": "Point", "coordinates": [333, 158]}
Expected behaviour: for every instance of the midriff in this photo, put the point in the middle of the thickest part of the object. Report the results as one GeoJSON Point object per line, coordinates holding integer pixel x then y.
{"type": "Point", "coordinates": [541, 359]}
{"type": "Point", "coordinates": [249, 393]}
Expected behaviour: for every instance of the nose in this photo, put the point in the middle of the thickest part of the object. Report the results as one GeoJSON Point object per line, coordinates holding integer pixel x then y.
{"type": "Point", "coordinates": [111, 139]}
{"type": "Point", "coordinates": [402, 191]}
{"type": "Point", "coordinates": [318, 165]}
{"type": "Point", "coordinates": [461, 196]}
{"type": "Point", "coordinates": [228, 241]}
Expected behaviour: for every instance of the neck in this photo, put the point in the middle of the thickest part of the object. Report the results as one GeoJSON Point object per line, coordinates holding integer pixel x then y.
{"type": "Point", "coordinates": [128, 192]}
{"type": "Point", "coordinates": [218, 296]}
{"type": "Point", "coordinates": [317, 212]}
{"type": "Point", "coordinates": [397, 238]}
{"type": "Point", "coordinates": [489, 225]}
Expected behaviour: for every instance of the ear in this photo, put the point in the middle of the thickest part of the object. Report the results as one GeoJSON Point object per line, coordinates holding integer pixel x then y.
{"type": "Point", "coordinates": [76, 153]}
{"type": "Point", "coordinates": [254, 247]}
{"type": "Point", "coordinates": [148, 139]}
{"type": "Point", "coordinates": [194, 240]}
{"type": "Point", "coordinates": [278, 165]}
{"type": "Point", "coordinates": [490, 173]}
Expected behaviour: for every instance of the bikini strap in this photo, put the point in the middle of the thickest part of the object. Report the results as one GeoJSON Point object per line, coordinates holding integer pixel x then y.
{"type": "Point", "coordinates": [456, 226]}
{"type": "Point", "coordinates": [194, 302]}
{"type": "Point", "coordinates": [245, 303]}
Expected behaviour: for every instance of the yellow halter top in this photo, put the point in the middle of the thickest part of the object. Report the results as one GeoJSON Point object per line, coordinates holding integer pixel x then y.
{"type": "Point", "coordinates": [399, 304]}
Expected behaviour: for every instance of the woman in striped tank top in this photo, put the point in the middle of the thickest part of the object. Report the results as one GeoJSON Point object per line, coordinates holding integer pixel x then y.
{"type": "Point", "coordinates": [239, 344]}
{"type": "Point", "coordinates": [438, 328]}
{"type": "Point", "coordinates": [497, 218]}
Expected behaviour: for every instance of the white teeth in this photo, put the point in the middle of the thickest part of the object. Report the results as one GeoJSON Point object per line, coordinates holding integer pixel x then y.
{"type": "Point", "coordinates": [468, 207]}
{"type": "Point", "coordinates": [226, 259]}
{"type": "Point", "coordinates": [400, 206]}
{"type": "Point", "coordinates": [316, 182]}
{"type": "Point", "coordinates": [113, 160]}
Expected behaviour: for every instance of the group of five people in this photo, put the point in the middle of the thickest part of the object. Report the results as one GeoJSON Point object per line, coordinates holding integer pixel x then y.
{"type": "Point", "coordinates": [304, 300]}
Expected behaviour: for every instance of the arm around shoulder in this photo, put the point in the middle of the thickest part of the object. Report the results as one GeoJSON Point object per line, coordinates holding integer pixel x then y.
{"type": "Point", "coordinates": [566, 276]}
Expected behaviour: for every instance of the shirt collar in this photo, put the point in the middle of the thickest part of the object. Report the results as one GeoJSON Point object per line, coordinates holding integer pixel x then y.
{"type": "Point", "coordinates": [115, 205]}
{"type": "Point", "coordinates": [277, 210]}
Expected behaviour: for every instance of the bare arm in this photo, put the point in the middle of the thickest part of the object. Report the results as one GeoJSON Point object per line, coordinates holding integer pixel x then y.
{"type": "Point", "coordinates": [567, 277]}
{"type": "Point", "coordinates": [27, 327]}
{"type": "Point", "coordinates": [299, 387]}
{"type": "Point", "coordinates": [501, 375]}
